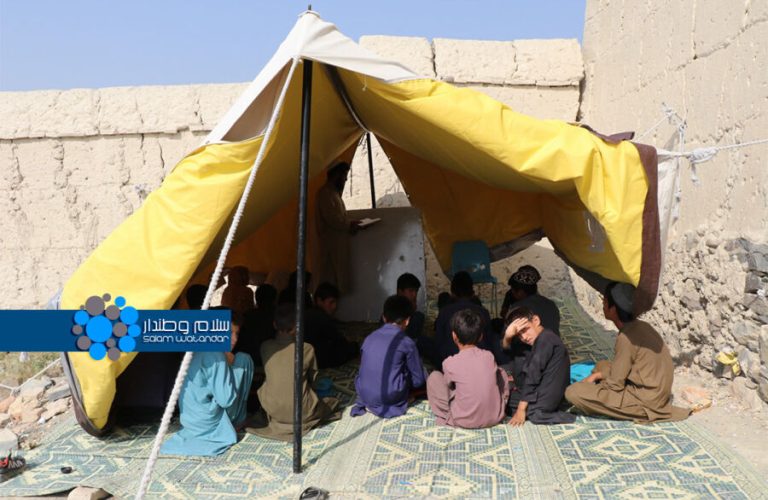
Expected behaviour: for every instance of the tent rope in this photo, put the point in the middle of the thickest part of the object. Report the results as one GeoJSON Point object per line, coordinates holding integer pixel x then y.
{"type": "Point", "coordinates": [15, 390]}
{"type": "Point", "coordinates": [184, 368]}
{"type": "Point", "coordinates": [669, 116]}
{"type": "Point", "coordinates": [701, 155]}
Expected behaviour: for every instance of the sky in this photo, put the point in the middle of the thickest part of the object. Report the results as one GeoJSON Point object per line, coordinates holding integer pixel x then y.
{"type": "Point", "coordinates": [64, 44]}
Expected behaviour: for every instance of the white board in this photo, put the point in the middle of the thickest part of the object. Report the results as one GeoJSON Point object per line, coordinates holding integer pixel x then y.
{"type": "Point", "coordinates": [379, 254]}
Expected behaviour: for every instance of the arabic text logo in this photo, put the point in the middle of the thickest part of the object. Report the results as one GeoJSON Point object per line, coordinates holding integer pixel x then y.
{"type": "Point", "coordinates": [106, 330]}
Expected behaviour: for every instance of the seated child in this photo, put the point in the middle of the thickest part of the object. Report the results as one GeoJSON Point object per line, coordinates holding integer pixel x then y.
{"type": "Point", "coordinates": [237, 296]}
{"type": "Point", "coordinates": [541, 383]}
{"type": "Point", "coordinates": [276, 395]}
{"type": "Point", "coordinates": [331, 347]}
{"type": "Point", "coordinates": [408, 286]}
{"type": "Point", "coordinates": [196, 296]}
{"type": "Point", "coordinates": [472, 391]}
{"type": "Point", "coordinates": [390, 366]}
{"type": "Point", "coordinates": [259, 323]}
{"type": "Point", "coordinates": [213, 401]}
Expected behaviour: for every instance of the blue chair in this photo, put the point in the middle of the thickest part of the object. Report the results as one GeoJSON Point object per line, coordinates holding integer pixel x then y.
{"type": "Point", "coordinates": [474, 258]}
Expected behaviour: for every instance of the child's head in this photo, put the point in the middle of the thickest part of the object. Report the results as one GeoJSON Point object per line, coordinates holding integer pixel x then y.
{"type": "Point", "coordinates": [265, 295]}
{"type": "Point", "coordinates": [327, 298]}
{"type": "Point", "coordinates": [467, 327]}
{"type": "Point", "coordinates": [239, 276]}
{"type": "Point", "coordinates": [397, 310]}
{"type": "Point", "coordinates": [408, 286]}
{"type": "Point", "coordinates": [285, 318]}
{"type": "Point", "coordinates": [195, 296]}
{"type": "Point", "coordinates": [443, 300]}
{"type": "Point", "coordinates": [462, 285]}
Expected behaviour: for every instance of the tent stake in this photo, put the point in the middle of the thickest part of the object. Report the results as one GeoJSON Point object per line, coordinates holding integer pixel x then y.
{"type": "Point", "coordinates": [370, 168]}
{"type": "Point", "coordinates": [298, 362]}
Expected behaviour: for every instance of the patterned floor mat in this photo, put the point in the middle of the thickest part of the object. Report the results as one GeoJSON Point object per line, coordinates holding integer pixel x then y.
{"type": "Point", "coordinates": [367, 457]}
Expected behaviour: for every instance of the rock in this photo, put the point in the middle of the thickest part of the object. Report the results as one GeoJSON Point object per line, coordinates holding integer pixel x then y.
{"type": "Point", "coordinates": [4, 420]}
{"type": "Point", "coordinates": [692, 301]}
{"type": "Point", "coordinates": [8, 440]}
{"type": "Point", "coordinates": [31, 394]}
{"type": "Point", "coordinates": [750, 364]}
{"type": "Point", "coordinates": [16, 408]}
{"type": "Point", "coordinates": [6, 403]}
{"type": "Point", "coordinates": [36, 386]}
{"type": "Point", "coordinates": [31, 415]}
{"type": "Point", "coordinates": [55, 408]}
{"type": "Point", "coordinates": [85, 493]}
{"type": "Point", "coordinates": [752, 283]}
{"type": "Point", "coordinates": [712, 242]}
{"type": "Point", "coordinates": [747, 396]}
{"type": "Point", "coordinates": [762, 389]}
{"type": "Point", "coordinates": [757, 262]}
{"type": "Point", "coordinates": [694, 395]}
{"type": "Point", "coordinates": [758, 305]}
{"type": "Point", "coordinates": [57, 393]}
{"type": "Point", "coordinates": [746, 333]}
{"type": "Point", "coordinates": [763, 345]}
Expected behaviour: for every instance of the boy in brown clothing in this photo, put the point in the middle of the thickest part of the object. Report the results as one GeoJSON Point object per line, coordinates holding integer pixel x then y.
{"type": "Point", "coordinates": [276, 395]}
{"type": "Point", "coordinates": [637, 384]}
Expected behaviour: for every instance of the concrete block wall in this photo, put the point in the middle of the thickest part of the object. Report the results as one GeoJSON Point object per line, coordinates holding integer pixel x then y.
{"type": "Point", "coordinates": [75, 163]}
{"type": "Point", "coordinates": [706, 60]}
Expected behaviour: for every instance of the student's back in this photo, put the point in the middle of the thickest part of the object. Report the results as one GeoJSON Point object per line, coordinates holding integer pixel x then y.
{"type": "Point", "coordinates": [389, 369]}
{"type": "Point", "coordinates": [478, 395]}
{"type": "Point", "coordinates": [276, 394]}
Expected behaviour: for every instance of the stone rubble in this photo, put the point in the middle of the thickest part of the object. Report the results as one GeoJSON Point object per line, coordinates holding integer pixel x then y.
{"type": "Point", "coordinates": [712, 300]}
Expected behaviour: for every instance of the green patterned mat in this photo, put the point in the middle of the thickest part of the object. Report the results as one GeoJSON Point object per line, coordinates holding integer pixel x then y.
{"type": "Point", "coordinates": [367, 457]}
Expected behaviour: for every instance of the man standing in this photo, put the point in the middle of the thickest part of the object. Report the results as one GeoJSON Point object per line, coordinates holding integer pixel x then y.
{"type": "Point", "coordinates": [332, 230]}
{"type": "Point", "coordinates": [637, 384]}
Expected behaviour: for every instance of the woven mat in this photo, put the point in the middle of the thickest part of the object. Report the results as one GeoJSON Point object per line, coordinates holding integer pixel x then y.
{"type": "Point", "coordinates": [367, 457]}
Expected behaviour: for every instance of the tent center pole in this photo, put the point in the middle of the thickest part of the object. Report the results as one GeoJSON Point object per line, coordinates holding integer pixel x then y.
{"type": "Point", "coordinates": [370, 168]}
{"type": "Point", "coordinates": [298, 362]}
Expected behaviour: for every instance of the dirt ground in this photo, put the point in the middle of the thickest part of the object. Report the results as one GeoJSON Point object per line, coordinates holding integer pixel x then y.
{"type": "Point", "coordinates": [729, 419]}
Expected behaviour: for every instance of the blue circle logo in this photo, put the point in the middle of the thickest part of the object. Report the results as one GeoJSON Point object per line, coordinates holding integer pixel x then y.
{"type": "Point", "coordinates": [106, 330]}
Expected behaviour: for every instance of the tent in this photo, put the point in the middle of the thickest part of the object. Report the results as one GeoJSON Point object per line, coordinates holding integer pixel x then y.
{"type": "Point", "coordinates": [475, 168]}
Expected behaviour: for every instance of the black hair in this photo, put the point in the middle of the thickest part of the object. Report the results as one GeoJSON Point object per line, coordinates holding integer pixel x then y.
{"type": "Point", "coordinates": [288, 296]}
{"type": "Point", "coordinates": [527, 289]}
{"type": "Point", "coordinates": [462, 284]}
{"type": "Point", "coordinates": [341, 166]}
{"type": "Point", "coordinates": [624, 316]}
{"type": "Point", "coordinates": [408, 281]}
{"type": "Point", "coordinates": [443, 300]}
{"type": "Point", "coordinates": [519, 312]}
{"type": "Point", "coordinates": [325, 291]}
{"type": "Point", "coordinates": [237, 317]}
{"type": "Point", "coordinates": [468, 326]}
{"type": "Point", "coordinates": [285, 317]}
{"type": "Point", "coordinates": [397, 309]}
{"type": "Point", "coordinates": [196, 295]}
{"type": "Point", "coordinates": [265, 295]}
{"type": "Point", "coordinates": [293, 279]}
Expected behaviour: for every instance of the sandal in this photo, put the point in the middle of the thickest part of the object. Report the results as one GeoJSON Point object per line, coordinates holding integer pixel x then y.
{"type": "Point", "coordinates": [10, 466]}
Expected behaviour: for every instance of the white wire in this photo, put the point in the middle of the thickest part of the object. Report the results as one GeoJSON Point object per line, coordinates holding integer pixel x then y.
{"type": "Point", "coordinates": [166, 420]}
{"type": "Point", "coordinates": [18, 387]}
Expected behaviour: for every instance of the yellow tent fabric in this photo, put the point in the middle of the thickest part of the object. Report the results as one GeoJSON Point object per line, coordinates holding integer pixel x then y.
{"type": "Point", "coordinates": [475, 168]}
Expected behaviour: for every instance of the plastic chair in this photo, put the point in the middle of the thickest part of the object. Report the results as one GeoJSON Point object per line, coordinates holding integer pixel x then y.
{"type": "Point", "coordinates": [474, 258]}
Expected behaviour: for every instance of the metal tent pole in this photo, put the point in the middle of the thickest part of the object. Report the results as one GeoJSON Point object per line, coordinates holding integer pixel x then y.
{"type": "Point", "coordinates": [306, 107]}
{"type": "Point", "coordinates": [370, 168]}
